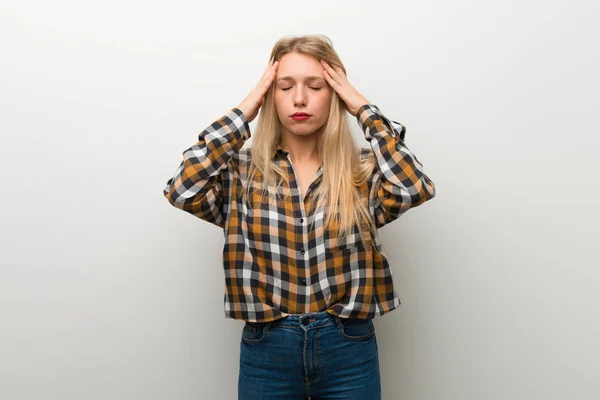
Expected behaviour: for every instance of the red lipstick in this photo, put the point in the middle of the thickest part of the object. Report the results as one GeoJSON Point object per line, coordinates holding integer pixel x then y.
{"type": "Point", "coordinates": [300, 116]}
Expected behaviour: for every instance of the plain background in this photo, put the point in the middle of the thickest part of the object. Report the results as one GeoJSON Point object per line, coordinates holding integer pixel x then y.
{"type": "Point", "coordinates": [108, 292]}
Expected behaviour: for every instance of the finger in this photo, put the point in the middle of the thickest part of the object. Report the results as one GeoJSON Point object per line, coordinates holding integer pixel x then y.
{"type": "Point", "coordinates": [272, 69]}
{"type": "Point", "coordinates": [269, 74]}
{"type": "Point", "coordinates": [268, 79]}
{"type": "Point", "coordinates": [270, 63]}
{"type": "Point", "coordinates": [269, 69]}
{"type": "Point", "coordinates": [340, 71]}
{"type": "Point", "coordinates": [266, 71]}
{"type": "Point", "coordinates": [330, 80]}
{"type": "Point", "coordinates": [272, 73]}
{"type": "Point", "coordinates": [330, 70]}
{"type": "Point", "coordinates": [338, 74]}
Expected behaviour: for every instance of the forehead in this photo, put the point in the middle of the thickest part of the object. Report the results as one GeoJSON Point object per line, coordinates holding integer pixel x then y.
{"type": "Point", "coordinates": [299, 66]}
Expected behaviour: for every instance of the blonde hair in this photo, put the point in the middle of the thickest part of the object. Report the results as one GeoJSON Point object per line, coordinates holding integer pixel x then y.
{"type": "Point", "coordinates": [336, 147]}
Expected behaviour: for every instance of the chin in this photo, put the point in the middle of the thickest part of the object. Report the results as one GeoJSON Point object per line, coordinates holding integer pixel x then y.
{"type": "Point", "coordinates": [300, 130]}
{"type": "Point", "coordinates": [303, 132]}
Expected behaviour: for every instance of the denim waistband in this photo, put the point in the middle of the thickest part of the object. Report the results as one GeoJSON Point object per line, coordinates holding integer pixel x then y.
{"type": "Point", "coordinates": [304, 321]}
{"type": "Point", "coordinates": [312, 318]}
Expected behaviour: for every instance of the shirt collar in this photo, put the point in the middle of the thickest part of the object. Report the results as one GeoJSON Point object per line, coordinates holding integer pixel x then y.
{"type": "Point", "coordinates": [279, 150]}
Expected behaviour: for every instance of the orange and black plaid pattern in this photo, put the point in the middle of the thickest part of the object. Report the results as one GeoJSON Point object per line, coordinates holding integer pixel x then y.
{"type": "Point", "coordinates": [278, 258]}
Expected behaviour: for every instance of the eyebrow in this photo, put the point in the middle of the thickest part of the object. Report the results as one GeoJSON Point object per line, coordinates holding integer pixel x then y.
{"type": "Point", "coordinates": [308, 78]}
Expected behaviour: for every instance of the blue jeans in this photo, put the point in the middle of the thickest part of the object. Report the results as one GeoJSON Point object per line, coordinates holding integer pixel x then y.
{"type": "Point", "coordinates": [309, 356]}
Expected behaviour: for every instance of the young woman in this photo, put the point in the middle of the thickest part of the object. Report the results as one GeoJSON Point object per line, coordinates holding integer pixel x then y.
{"type": "Point", "coordinates": [300, 208]}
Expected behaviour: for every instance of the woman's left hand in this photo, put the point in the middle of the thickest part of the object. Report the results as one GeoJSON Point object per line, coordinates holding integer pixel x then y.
{"type": "Point", "coordinates": [338, 81]}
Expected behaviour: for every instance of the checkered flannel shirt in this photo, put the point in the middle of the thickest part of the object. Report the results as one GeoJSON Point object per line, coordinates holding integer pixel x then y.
{"type": "Point", "coordinates": [278, 258]}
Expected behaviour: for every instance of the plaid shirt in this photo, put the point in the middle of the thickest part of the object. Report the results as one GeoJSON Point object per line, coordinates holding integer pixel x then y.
{"type": "Point", "coordinates": [276, 262]}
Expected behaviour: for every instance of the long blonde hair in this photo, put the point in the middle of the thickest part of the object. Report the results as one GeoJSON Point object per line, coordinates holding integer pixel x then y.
{"type": "Point", "coordinates": [335, 145]}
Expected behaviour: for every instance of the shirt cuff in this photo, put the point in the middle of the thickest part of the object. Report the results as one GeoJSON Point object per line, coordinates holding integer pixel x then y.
{"type": "Point", "coordinates": [235, 118]}
{"type": "Point", "coordinates": [369, 113]}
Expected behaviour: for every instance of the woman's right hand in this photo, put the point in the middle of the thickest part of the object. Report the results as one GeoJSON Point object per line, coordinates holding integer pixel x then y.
{"type": "Point", "coordinates": [251, 104]}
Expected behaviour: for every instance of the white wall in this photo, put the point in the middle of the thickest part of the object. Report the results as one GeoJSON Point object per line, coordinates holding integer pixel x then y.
{"type": "Point", "coordinates": [108, 292]}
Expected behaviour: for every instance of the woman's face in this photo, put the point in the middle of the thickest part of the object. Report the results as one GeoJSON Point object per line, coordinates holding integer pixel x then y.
{"type": "Point", "coordinates": [301, 88]}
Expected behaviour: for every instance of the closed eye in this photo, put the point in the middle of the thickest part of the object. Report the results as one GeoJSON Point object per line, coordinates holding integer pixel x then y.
{"type": "Point", "coordinates": [313, 88]}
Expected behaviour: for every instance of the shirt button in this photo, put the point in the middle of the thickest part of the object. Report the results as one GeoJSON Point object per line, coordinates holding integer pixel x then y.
{"type": "Point", "coordinates": [302, 250]}
{"type": "Point", "coordinates": [301, 219]}
{"type": "Point", "coordinates": [304, 281]}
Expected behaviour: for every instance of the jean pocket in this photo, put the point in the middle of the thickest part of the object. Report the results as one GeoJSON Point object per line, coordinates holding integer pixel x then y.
{"type": "Point", "coordinates": [357, 328]}
{"type": "Point", "coordinates": [254, 332]}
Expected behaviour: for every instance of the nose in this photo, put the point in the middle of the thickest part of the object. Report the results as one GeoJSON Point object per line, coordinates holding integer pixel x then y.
{"type": "Point", "coordinates": [300, 96]}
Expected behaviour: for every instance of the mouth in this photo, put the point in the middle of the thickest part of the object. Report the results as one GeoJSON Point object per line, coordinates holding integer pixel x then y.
{"type": "Point", "coordinates": [300, 116]}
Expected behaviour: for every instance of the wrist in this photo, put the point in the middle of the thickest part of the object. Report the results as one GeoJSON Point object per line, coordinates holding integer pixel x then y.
{"type": "Point", "coordinates": [243, 109]}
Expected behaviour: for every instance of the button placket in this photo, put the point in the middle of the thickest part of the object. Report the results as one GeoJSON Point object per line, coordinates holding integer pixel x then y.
{"type": "Point", "coordinates": [298, 195]}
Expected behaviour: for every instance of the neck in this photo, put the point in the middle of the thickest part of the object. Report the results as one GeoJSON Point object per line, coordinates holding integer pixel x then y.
{"type": "Point", "coordinates": [302, 149]}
